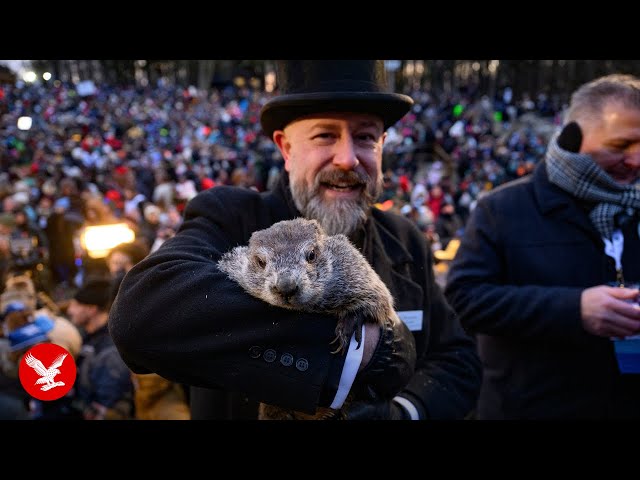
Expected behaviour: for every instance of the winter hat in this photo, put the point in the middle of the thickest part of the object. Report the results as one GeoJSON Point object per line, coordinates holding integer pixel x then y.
{"type": "Point", "coordinates": [95, 291]}
{"type": "Point", "coordinates": [31, 333]}
{"type": "Point", "coordinates": [135, 250]}
{"type": "Point", "coordinates": [43, 328]}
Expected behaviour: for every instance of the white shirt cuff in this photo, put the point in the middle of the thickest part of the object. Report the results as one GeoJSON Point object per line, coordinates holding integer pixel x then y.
{"type": "Point", "coordinates": [349, 371]}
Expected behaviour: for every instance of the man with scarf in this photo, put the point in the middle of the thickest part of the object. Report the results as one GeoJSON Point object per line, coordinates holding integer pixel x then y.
{"type": "Point", "coordinates": [546, 274]}
{"type": "Point", "coordinates": [178, 315]}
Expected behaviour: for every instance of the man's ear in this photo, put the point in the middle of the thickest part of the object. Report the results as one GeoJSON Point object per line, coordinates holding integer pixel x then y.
{"type": "Point", "coordinates": [280, 139]}
{"type": "Point", "coordinates": [570, 138]}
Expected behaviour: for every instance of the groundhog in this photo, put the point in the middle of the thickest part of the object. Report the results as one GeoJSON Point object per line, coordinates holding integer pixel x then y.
{"type": "Point", "coordinates": [294, 264]}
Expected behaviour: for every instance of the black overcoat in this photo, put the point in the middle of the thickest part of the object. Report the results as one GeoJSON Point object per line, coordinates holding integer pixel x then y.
{"type": "Point", "coordinates": [177, 315]}
{"type": "Point", "coordinates": [528, 252]}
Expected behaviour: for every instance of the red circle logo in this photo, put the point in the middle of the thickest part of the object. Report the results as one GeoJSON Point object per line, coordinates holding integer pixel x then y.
{"type": "Point", "coordinates": [47, 371]}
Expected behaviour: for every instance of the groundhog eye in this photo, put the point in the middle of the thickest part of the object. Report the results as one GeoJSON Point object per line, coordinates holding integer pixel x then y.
{"type": "Point", "coordinates": [311, 255]}
{"type": "Point", "coordinates": [260, 262]}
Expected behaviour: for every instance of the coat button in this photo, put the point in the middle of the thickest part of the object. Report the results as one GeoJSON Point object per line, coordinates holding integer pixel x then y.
{"type": "Point", "coordinates": [302, 364]}
{"type": "Point", "coordinates": [286, 359]}
{"type": "Point", "coordinates": [255, 351]}
{"type": "Point", "coordinates": [269, 355]}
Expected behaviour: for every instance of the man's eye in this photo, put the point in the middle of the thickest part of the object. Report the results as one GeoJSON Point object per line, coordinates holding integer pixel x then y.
{"type": "Point", "coordinates": [367, 138]}
{"type": "Point", "coordinates": [325, 135]}
{"type": "Point", "coordinates": [619, 147]}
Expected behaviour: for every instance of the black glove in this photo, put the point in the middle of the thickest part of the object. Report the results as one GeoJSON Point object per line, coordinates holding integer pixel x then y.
{"type": "Point", "coordinates": [380, 410]}
{"type": "Point", "coordinates": [570, 138]}
{"type": "Point", "coordinates": [390, 368]}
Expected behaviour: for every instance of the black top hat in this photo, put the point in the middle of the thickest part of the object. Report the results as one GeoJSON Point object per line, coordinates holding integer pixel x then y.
{"type": "Point", "coordinates": [315, 86]}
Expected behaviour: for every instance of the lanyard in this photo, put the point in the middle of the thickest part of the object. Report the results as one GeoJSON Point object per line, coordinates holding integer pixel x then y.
{"type": "Point", "coordinates": [614, 248]}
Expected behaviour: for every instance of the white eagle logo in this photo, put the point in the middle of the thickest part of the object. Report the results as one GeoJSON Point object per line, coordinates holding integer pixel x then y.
{"type": "Point", "coordinates": [46, 374]}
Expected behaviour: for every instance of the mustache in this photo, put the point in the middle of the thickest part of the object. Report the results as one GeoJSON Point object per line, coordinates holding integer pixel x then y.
{"type": "Point", "coordinates": [340, 176]}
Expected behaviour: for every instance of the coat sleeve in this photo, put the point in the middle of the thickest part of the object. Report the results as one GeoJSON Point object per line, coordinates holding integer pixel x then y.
{"type": "Point", "coordinates": [177, 315]}
{"type": "Point", "coordinates": [446, 383]}
{"type": "Point", "coordinates": [488, 302]}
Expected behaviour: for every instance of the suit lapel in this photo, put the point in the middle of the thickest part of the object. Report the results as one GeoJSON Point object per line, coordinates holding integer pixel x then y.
{"type": "Point", "coordinates": [391, 260]}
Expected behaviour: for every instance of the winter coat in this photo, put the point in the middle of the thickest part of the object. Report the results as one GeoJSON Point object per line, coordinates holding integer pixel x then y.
{"type": "Point", "coordinates": [176, 314]}
{"type": "Point", "coordinates": [528, 252]}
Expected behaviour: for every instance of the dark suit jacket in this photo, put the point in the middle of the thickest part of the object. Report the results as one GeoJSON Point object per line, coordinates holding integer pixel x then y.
{"type": "Point", "coordinates": [528, 252]}
{"type": "Point", "coordinates": [177, 315]}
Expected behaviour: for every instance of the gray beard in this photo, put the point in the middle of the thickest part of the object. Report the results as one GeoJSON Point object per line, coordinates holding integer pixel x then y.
{"type": "Point", "coordinates": [339, 216]}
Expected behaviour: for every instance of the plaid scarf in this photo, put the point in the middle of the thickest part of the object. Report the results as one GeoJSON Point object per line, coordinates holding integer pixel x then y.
{"type": "Point", "coordinates": [579, 175]}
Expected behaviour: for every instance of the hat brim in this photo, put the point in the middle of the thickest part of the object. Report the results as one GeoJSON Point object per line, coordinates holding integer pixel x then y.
{"type": "Point", "coordinates": [280, 111]}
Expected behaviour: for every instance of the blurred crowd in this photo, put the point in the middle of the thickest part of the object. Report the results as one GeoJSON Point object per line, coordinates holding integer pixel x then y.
{"type": "Point", "coordinates": [136, 155]}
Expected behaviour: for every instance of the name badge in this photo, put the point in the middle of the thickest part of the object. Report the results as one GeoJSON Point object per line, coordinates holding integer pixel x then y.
{"type": "Point", "coordinates": [628, 354]}
{"type": "Point", "coordinates": [412, 319]}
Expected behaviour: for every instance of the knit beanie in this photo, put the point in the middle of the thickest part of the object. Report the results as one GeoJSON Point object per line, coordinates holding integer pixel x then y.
{"type": "Point", "coordinates": [31, 333]}
{"type": "Point", "coordinates": [95, 291]}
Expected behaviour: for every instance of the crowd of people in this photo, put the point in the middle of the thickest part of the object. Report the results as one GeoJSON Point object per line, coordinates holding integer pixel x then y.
{"type": "Point", "coordinates": [139, 155]}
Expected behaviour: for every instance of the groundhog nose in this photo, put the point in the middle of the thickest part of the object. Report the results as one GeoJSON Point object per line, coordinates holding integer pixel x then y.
{"type": "Point", "coordinates": [285, 289]}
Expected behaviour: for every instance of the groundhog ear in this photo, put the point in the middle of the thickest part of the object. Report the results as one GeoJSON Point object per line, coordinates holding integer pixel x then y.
{"type": "Point", "coordinates": [317, 226]}
{"type": "Point", "coordinates": [234, 260]}
{"type": "Point", "coordinates": [342, 238]}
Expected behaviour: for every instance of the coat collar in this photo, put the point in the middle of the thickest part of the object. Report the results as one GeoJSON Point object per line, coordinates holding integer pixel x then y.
{"type": "Point", "coordinates": [395, 251]}
{"type": "Point", "coordinates": [283, 192]}
{"type": "Point", "coordinates": [557, 203]}
{"type": "Point", "coordinates": [281, 201]}
{"type": "Point", "coordinates": [392, 261]}
{"type": "Point", "coordinates": [550, 197]}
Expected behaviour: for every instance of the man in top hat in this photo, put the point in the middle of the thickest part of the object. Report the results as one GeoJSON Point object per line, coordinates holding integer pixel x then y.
{"type": "Point", "coordinates": [181, 317]}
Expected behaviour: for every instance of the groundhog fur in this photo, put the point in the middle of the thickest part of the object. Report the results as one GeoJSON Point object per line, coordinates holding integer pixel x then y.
{"type": "Point", "coordinates": [293, 264]}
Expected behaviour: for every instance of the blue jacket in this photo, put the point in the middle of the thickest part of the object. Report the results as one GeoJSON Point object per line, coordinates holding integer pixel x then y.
{"type": "Point", "coordinates": [103, 377]}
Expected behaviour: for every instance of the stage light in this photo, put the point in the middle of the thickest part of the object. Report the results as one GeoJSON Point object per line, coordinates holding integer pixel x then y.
{"type": "Point", "coordinates": [98, 240]}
